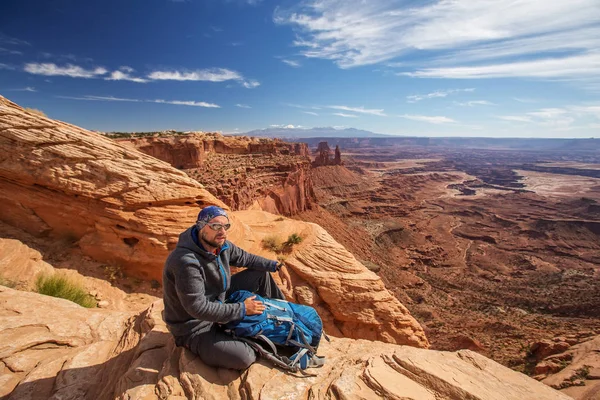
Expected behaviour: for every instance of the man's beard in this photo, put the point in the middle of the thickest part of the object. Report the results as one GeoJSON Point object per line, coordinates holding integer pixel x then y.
{"type": "Point", "coordinates": [209, 242]}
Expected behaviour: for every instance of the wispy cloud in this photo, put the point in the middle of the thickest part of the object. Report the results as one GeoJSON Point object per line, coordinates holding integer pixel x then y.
{"type": "Point", "coordinates": [291, 63]}
{"type": "Point", "coordinates": [7, 66]}
{"type": "Point", "coordinates": [585, 65]}
{"type": "Point", "coordinates": [243, 106]}
{"type": "Point", "coordinates": [439, 93]}
{"type": "Point", "coordinates": [251, 84]}
{"type": "Point", "coordinates": [474, 103]}
{"type": "Point", "coordinates": [210, 75]}
{"type": "Point", "coordinates": [430, 119]}
{"type": "Point", "coordinates": [160, 101]}
{"type": "Point", "coordinates": [310, 113]}
{"type": "Point", "coordinates": [522, 100]}
{"type": "Point", "coordinates": [74, 71]}
{"type": "Point", "coordinates": [361, 110]}
{"type": "Point", "coordinates": [9, 51]}
{"type": "Point", "coordinates": [345, 115]}
{"type": "Point", "coordinates": [560, 38]}
{"type": "Point", "coordinates": [560, 118]}
{"type": "Point", "coordinates": [124, 74]}
{"type": "Point", "coordinates": [8, 40]}
{"type": "Point", "coordinates": [25, 89]}
{"type": "Point", "coordinates": [289, 126]}
{"type": "Point", "coordinates": [302, 106]}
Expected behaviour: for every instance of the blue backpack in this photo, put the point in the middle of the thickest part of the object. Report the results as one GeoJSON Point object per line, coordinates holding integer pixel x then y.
{"type": "Point", "coordinates": [284, 324]}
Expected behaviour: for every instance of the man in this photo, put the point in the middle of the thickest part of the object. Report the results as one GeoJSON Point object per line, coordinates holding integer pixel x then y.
{"type": "Point", "coordinates": [196, 281]}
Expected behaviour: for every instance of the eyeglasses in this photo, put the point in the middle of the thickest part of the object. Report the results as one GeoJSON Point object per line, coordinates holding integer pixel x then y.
{"type": "Point", "coordinates": [218, 227]}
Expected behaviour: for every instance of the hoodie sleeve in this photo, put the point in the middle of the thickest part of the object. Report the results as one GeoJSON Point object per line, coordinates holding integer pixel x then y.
{"type": "Point", "coordinates": [189, 284]}
{"type": "Point", "coordinates": [241, 258]}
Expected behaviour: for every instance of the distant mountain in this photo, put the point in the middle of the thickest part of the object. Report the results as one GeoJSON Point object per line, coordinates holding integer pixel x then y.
{"type": "Point", "coordinates": [324, 132]}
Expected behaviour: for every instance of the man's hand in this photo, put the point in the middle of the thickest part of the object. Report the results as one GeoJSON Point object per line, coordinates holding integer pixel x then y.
{"type": "Point", "coordinates": [253, 307]}
{"type": "Point", "coordinates": [284, 275]}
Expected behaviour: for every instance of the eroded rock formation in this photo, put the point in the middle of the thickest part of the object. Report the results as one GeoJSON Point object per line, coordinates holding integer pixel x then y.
{"type": "Point", "coordinates": [241, 171]}
{"type": "Point", "coordinates": [99, 354]}
{"type": "Point", "coordinates": [122, 206]}
{"type": "Point", "coordinates": [323, 156]}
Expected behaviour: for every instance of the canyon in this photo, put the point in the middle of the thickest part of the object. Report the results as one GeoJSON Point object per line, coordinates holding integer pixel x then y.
{"type": "Point", "coordinates": [473, 253]}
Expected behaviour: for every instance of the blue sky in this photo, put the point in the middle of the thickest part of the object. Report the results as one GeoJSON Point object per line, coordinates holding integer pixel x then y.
{"type": "Point", "coordinates": [521, 68]}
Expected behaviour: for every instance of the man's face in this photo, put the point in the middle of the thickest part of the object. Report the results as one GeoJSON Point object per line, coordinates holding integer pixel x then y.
{"type": "Point", "coordinates": [212, 237]}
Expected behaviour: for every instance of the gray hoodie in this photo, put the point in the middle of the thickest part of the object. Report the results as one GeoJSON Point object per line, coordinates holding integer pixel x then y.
{"type": "Point", "coordinates": [195, 282]}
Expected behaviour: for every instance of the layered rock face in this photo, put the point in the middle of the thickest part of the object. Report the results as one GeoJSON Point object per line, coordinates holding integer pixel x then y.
{"type": "Point", "coordinates": [241, 171]}
{"type": "Point", "coordinates": [99, 354]}
{"type": "Point", "coordinates": [122, 206]}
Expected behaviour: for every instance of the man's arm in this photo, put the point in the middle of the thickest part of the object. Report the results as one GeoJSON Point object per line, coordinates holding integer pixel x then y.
{"type": "Point", "coordinates": [189, 284]}
{"type": "Point", "coordinates": [241, 258]}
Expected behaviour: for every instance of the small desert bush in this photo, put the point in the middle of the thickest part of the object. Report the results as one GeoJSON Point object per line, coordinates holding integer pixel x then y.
{"type": "Point", "coordinates": [60, 286]}
{"type": "Point", "coordinates": [8, 283]}
{"type": "Point", "coordinates": [293, 239]}
{"type": "Point", "coordinates": [272, 243]}
{"type": "Point", "coordinates": [280, 219]}
{"type": "Point", "coordinates": [36, 111]}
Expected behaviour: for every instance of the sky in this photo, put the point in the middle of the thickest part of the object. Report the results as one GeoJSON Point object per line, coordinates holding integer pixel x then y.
{"type": "Point", "coordinates": [489, 68]}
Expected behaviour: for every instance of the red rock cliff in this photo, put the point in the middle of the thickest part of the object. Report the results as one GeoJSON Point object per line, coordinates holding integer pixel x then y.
{"type": "Point", "coordinates": [244, 172]}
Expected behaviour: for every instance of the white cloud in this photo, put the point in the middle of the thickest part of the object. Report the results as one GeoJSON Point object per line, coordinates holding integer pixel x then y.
{"type": "Point", "coordinates": [310, 113]}
{"type": "Point", "coordinates": [361, 110]}
{"type": "Point", "coordinates": [6, 66]}
{"type": "Point", "coordinates": [243, 106]}
{"type": "Point", "coordinates": [564, 118]}
{"type": "Point", "coordinates": [25, 89]}
{"type": "Point", "coordinates": [8, 40]}
{"type": "Point", "coordinates": [9, 51]}
{"type": "Point", "coordinates": [515, 118]}
{"type": "Point", "coordinates": [291, 63]}
{"type": "Point", "coordinates": [124, 76]}
{"type": "Point", "coordinates": [73, 71]}
{"type": "Point", "coordinates": [586, 65]}
{"type": "Point", "coordinates": [251, 84]}
{"type": "Point", "coordinates": [211, 75]}
{"type": "Point", "coordinates": [289, 126]}
{"type": "Point", "coordinates": [438, 93]}
{"type": "Point", "coordinates": [345, 115]}
{"type": "Point", "coordinates": [301, 106]}
{"type": "Point", "coordinates": [457, 33]}
{"type": "Point", "coordinates": [472, 103]}
{"type": "Point", "coordinates": [126, 69]}
{"type": "Point", "coordinates": [426, 118]}
{"type": "Point", "coordinates": [159, 101]}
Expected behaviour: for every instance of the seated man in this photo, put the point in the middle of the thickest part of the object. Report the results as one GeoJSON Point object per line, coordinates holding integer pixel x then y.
{"type": "Point", "coordinates": [197, 280]}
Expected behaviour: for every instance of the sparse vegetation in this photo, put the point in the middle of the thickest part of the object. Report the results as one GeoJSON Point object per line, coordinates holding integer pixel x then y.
{"type": "Point", "coordinates": [581, 373]}
{"type": "Point", "coordinates": [275, 244]}
{"type": "Point", "coordinates": [61, 286]}
{"type": "Point", "coordinates": [280, 219]}
{"type": "Point", "coordinates": [293, 239]}
{"type": "Point", "coordinates": [7, 282]}
{"type": "Point", "coordinates": [36, 111]}
{"type": "Point", "coordinates": [272, 243]}
{"type": "Point", "coordinates": [113, 272]}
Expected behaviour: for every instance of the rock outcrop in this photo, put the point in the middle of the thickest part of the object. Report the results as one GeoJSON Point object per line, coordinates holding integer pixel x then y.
{"type": "Point", "coordinates": [99, 354]}
{"type": "Point", "coordinates": [570, 363]}
{"type": "Point", "coordinates": [323, 156]}
{"type": "Point", "coordinates": [241, 171]}
{"type": "Point", "coordinates": [121, 205]}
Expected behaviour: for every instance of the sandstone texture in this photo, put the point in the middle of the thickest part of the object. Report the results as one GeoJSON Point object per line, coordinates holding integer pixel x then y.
{"type": "Point", "coordinates": [121, 205]}
{"type": "Point", "coordinates": [99, 354]}
{"type": "Point", "coordinates": [242, 171]}
{"type": "Point", "coordinates": [352, 301]}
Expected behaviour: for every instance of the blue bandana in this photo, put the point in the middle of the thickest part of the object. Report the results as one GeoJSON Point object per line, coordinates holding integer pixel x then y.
{"type": "Point", "coordinates": [208, 213]}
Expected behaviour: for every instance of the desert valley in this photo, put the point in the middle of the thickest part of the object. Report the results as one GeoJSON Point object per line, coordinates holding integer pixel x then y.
{"type": "Point", "coordinates": [442, 268]}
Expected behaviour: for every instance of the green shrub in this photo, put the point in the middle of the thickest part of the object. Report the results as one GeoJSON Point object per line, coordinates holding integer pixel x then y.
{"type": "Point", "coordinates": [60, 286]}
{"type": "Point", "coordinates": [272, 243]}
{"type": "Point", "coordinates": [294, 238]}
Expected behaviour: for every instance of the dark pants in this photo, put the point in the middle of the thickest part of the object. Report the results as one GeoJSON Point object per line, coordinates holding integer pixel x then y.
{"type": "Point", "coordinates": [219, 349]}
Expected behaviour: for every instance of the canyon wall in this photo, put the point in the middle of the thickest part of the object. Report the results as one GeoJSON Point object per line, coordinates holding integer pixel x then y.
{"type": "Point", "coordinates": [243, 172]}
